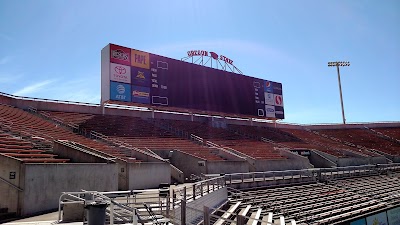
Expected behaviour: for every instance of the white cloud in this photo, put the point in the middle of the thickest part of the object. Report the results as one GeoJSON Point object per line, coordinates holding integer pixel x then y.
{"type": "Point", "coordinates": [36, 87]}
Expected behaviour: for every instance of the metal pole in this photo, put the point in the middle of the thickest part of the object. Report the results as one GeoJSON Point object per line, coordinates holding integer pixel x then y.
{"type": "Point", "coordinates": [341, 97]}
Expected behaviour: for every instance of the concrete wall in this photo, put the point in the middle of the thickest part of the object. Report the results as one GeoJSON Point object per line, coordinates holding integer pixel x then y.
{"type": "Point", "coordinates": [302, 162]}
{"type": "Point", "coordinates": [218, 167]}
{"type": "Point", "coordinates": [77, 155]}
{"type": "Point", "coordinates": [148, 175]}
{"type": "Point", "coordinates": [57, 106]}
{"type": "Point", "coordinates": [342, 162]}
{"type": "Point", "coordinates": [188, 164]}
{"type": "Point", "coordinates": [9, 195]}
{"type": "Point", "coordinates": [278, 164]}
{"type": "Point", "coordinates": [45, 182]}
{"type": "Point", "coordinates": [228, 154]}
{"type": "Point", "coordinates": [320, 161]}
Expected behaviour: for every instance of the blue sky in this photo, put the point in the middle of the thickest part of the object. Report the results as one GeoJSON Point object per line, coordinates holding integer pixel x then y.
{"type": "Point", "coordinates": [51, 49]}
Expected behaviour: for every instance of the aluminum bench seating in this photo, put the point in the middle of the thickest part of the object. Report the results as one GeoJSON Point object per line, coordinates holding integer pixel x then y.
{"type": "Point", "coordinates": [244, 211]}
{"type": "Point", "coordinates": [227, 214]}
{"type": "Point", "coordinates": [254, 217]}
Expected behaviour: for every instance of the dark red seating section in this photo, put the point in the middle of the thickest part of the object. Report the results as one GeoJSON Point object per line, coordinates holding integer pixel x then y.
{"type": "Point", "coordinates": [137, 132]}
{"type": "Point", "coordinates": [23, 150]}
{"type": "Point", "coordinates": [392, 132]}
{"type": "Point", "coordinates": [229, 140]}
{"type": "Point", "coordinates": [363, 137]}
{"type": "Point", "coordinates": [27, 124]}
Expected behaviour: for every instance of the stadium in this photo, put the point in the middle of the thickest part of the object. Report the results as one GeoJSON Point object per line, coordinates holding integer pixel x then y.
{"type": "Point", "coordinates": [175, 141]}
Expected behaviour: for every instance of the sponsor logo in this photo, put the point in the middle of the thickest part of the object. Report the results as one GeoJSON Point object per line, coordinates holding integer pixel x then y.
{"type": "Point", "coordinates": [270, 110]}
{"type": "Point", "coordinates": [120, 70]}
{"type": "Point", "coordinates": [140, 59]}
{"type": "Point", "coordinates": [278, 100]}
{"type": "Point", "coordinates": [120, 89]}
{"type": "Point", "coordinates": [267, 84]}
{"type": "Point", "coordinates": [279, 112]}
{"type": "Point", "coordinates": [140, 75]}
{"type": "Point", "coordinates": [140, 94]}
{"type": "Point", "coordinates": [269, 98]}
{"type": "Point", "coordinates": [120, 54]}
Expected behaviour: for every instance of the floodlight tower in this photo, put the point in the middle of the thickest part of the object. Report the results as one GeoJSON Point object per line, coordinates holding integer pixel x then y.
{"type": "Point", "coordinates": [338, 64]}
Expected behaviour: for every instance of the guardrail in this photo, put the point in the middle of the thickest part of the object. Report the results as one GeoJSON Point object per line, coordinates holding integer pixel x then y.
{"type": "Point", "coordinates": [47, 100]}
{"type": "Point", "coordinates": [196, 190]}
{"type": "Point", "coordinates": [122, 206]}
{"type": "Point", "coordinates": [320, 174]}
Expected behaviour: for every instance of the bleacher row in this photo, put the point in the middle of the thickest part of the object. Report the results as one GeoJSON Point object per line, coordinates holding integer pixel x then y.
{"type": "Point", "coordinates": [318, 203]}
{"type": "Point", "coordinates": [21, 124]}
{"type": "Point", "coordinates": [147, 134]}
{"type": "Point", "coordinates": [131, 129]}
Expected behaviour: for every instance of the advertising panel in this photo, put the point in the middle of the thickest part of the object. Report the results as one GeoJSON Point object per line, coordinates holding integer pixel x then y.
{"type": "Point", "coordinates": [120, 91]}
{"type": "Point", "coordinates": [394, 216]}
{"type": "Point", "coordinates": [141, 94]}
{"type": "Point", "coordinates": [269, 98]}
{"type": "Point", "coordinates": [279, 112]}
{"type": "Point", "coordinates": [270, 111]}
{"type": "Point", "coordinates": [277, 88]}
{"type": "Point", "coordinates": [140, 77]}
{"type": "Point", "coordinates": [140, 59]}
{"type": "Point", "coordinates": [120, 55]}
{"type": "Point", "coordinates": [120, 73]}
{"type": "Point", "coordinates": [278, 100]}
{"type": "Point", "coordinates": [159, 80]}
{"type": "Point", "coordinates": [268, 86]}
{"type": "Point", "coordinates": [377, 219]}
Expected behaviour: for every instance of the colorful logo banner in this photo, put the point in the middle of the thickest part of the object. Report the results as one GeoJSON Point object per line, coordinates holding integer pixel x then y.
{"type": "Point", "coordinates": [268, 86]}
{"type": "Point", "coordinates": [120, 91]}
{"type": "Point", "coordinates": [141, 94]}
{"type": "Point", "coordinates": [120, 55]}
{"type": "Point", "coordinates": [120, 73]}
{"type": "Point", "coordinates": [140, 59]}
{"type": "Point", "coordinates": [140, 77]}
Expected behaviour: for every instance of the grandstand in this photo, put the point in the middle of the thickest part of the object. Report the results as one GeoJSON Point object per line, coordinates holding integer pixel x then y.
{"type": "Point", "coordinates": [40, 135]}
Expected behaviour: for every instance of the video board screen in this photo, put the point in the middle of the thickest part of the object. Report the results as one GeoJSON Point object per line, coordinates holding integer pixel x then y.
{"type": "Point", "coordinates": [161, 81]}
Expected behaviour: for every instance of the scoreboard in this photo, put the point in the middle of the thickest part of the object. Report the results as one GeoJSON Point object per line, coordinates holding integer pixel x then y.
{"type": "Point", "coordinates": [130, 75]}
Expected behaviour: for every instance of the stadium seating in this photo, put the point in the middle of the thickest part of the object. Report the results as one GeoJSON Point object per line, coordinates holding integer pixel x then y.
{"type": "Point", "coordinates": [25, 124]}
{"type": "Point", "coordinates": [23, 150]}
{"type": "Point", "coordinates": [393, 132]}
{"type": "Point", "coordinates": [318, 203]}
{"type": "Point", "coordinates": [136, 132]}
{"type": "Point", "coordinates": [229, 140]}
{"type": "Point", "coordinates": [327, 145]}
{"type": "Point", "coordinates": [364, 138]}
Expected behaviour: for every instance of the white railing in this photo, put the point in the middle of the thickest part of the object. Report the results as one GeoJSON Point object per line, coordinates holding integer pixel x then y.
{"type": "Point", "coordinates": [195, 190]}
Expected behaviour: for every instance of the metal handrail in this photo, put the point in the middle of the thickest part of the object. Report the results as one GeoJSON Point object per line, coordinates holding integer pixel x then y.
{"type": "Point", "coordinates": [11, 184]}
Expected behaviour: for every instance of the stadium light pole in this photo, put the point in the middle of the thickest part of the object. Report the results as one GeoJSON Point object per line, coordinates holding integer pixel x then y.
{"type": "Point", "coordinates": [338, 64]}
